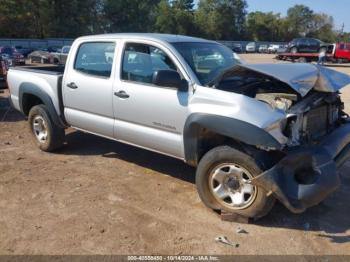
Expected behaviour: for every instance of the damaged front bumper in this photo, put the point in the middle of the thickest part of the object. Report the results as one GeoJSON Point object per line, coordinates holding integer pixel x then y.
{"type": "Point", "coordinates": [307, 175]}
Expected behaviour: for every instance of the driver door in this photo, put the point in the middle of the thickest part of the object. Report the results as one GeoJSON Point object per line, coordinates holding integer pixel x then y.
{"type": "Point", "coordinates": [148, 115]}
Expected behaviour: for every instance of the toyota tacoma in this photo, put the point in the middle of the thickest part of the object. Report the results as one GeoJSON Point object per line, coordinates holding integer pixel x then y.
{"type": "Point", "coordinates": [255, 133]}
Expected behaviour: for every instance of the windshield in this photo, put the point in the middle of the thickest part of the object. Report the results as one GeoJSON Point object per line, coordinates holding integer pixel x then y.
{"type": "Point", "coordinates": [207, 60]}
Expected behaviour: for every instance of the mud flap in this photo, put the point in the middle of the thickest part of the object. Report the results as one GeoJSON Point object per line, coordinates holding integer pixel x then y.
{"type": "Point", "coordinates": [302, 179]}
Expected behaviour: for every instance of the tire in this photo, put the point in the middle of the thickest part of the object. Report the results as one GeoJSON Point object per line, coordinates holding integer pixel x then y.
{"type": "Point", "coordinates": [47, 134]}
{"type": "Point", "coordinates": [256, 206]}
{"type": "Point", "coordinates": [294, 50]}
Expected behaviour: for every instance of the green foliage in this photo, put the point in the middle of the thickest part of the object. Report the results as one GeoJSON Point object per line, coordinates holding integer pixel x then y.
{"type": "Point", "coordinates": [264, 26]}
{"type": "Point", "coordinates": [221, 19]}
{"type": "Point", "coordinates": [175, 17]}
{"type": "Point", "coordinates": [129, 16]}
{"type": "Point", "coordinates": [302, 21]}
{"type": "Point", "coordinates": [21, 18]}
{"type": "Point", "coordinates": [322, 28]}
{"type": "Point", "coordinates": [299, 20]}
{"type": "Point", "coordinates": [214, 19]}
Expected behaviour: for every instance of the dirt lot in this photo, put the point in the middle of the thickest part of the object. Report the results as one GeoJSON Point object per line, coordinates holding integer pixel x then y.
{"type": "Point", "coordinates": [96, 196]}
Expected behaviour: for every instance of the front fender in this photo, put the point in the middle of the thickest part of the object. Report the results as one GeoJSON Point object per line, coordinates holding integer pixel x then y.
{"type": "Point", "coordinates": [226, 126]}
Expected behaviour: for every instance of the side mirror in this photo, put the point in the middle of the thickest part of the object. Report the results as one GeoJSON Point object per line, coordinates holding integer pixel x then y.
{"type": "Point", "coordinates": [169, 78]}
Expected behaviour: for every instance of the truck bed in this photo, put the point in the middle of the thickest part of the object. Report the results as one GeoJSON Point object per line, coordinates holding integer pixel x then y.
{"type": "Point", "coordinates": [47, 79]}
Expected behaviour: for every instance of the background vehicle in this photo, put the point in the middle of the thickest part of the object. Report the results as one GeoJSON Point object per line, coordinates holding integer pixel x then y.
{"type": "Point", "coordinates": [3, 72]}
{"type": "Point", "coordinates": [16, 57]}
{"type": "Point", "coordinates": [342, 53]}
{"type": "Point", "coordinates": [262, 49]}
{"type": "Point", "coordinates": [60, 57]}
{"type": "Point", "coordinates": [336, 53]}
{"type": "Point", "coordinates": [282, 49]}
{"type": "Point", "coordinates": [40, 56]}
{"type": "Point", "coordinates": [241, 125]}
{"type": "Point", "coordinates": [23, 50]}
{"type": "Point", "coordinates": [237, 48]}
{"type": "Point", "coordinates": [250, 47]}
{"type": "Point", "coordinates": [54, 49]}
{"type": "Point", "coordinates": [306, 45]}
{"type": "Point", "coordinates": [273, 48]}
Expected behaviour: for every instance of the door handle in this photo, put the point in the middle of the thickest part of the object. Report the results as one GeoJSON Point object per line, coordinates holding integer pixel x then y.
{"type": "Point", "coordinates": [121, 94]}
{"type": "Point", "coordinates": [72, 85]}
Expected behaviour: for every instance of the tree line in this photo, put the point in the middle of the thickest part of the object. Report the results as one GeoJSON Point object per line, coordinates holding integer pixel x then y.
{"type": "Point", "coordinates": [213, 19]}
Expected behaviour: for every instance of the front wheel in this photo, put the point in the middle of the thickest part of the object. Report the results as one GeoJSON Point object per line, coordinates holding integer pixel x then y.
{"type": "Point", "coordinates": [223, 183]}
{"type": "Point", "coordinates": [47, 134]}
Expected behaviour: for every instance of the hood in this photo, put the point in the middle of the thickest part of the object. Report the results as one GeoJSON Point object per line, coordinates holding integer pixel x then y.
{"type": "Point", "coordinates": [303, 77]}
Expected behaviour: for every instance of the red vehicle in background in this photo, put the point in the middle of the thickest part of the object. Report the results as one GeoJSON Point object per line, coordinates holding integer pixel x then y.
{"type": "Point", "coordinates": [342, 52]}
{"type": "Point", "coordinates": [336, 53]}
{"type": "Point", "coordinates": [16, 57]}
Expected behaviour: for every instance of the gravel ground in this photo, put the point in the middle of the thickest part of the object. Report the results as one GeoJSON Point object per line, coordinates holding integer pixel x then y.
{"type": "Point", "coordinates": [96, 196]}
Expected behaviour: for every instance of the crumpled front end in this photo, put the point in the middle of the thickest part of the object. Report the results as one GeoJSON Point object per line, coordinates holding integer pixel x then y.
{"type": "Point", "coordinates": [307, 175]}
{"type": "Point", "coordinates": [313, 131]}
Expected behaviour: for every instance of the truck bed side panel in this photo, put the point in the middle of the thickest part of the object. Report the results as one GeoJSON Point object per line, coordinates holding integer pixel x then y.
{"type": "Point", "coordinates": [44, 81]}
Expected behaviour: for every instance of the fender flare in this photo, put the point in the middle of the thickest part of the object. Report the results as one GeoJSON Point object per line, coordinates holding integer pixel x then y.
{"type": "Point", "coordinates": [226, 126]}
{"type": "Point", "coordinates": [32, 89]}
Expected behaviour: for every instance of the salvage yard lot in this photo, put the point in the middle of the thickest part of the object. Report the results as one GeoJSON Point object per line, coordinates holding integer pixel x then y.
{"type": "Point", "coordinates": [96, 196]}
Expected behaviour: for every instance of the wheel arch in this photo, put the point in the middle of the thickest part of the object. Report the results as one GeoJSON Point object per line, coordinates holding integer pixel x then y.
{"type": "Point", "coordinates": [30, 95]}
{"type": "Point", "coordinates": [230, 130]}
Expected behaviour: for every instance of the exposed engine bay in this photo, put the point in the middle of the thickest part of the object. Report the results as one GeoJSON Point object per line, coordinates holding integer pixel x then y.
{"type": "Point", "coordinates": [312, 128]}
{"type": "Point", "coordinates": [316, 131]}
{"type": "Point", "coordinates": [311, 111]}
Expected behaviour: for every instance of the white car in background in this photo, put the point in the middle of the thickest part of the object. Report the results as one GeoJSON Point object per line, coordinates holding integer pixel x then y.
{"type": "Point", "coordinates": [251, 47]}
{"type": "Point", "coordinates": [262, 49]}
{"type": "Point", "coordinates": [273, 48]}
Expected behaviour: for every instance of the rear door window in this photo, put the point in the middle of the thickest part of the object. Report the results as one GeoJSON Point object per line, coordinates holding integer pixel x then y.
{"type": "Point", "coordinates": [95, 58]}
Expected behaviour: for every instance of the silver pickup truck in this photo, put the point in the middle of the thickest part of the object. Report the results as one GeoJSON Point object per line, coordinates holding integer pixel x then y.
{"type": "Point", "coordinates": [256, 133]}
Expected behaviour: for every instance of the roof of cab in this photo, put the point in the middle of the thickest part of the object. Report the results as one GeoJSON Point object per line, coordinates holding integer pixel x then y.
{"type": "Point", "coordinates": [149, 36]}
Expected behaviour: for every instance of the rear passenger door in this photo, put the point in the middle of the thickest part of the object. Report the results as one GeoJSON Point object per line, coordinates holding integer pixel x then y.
{"type": "Point", "coordinates": [147, 115]}
{"type": "Point", "coordinates": [87, 87]}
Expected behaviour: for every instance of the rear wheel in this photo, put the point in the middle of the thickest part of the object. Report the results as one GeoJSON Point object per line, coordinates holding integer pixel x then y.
{"type": "Point", "coordinates": [47, 134]}
{"type": "Point", "coordinates": [223, 182]}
